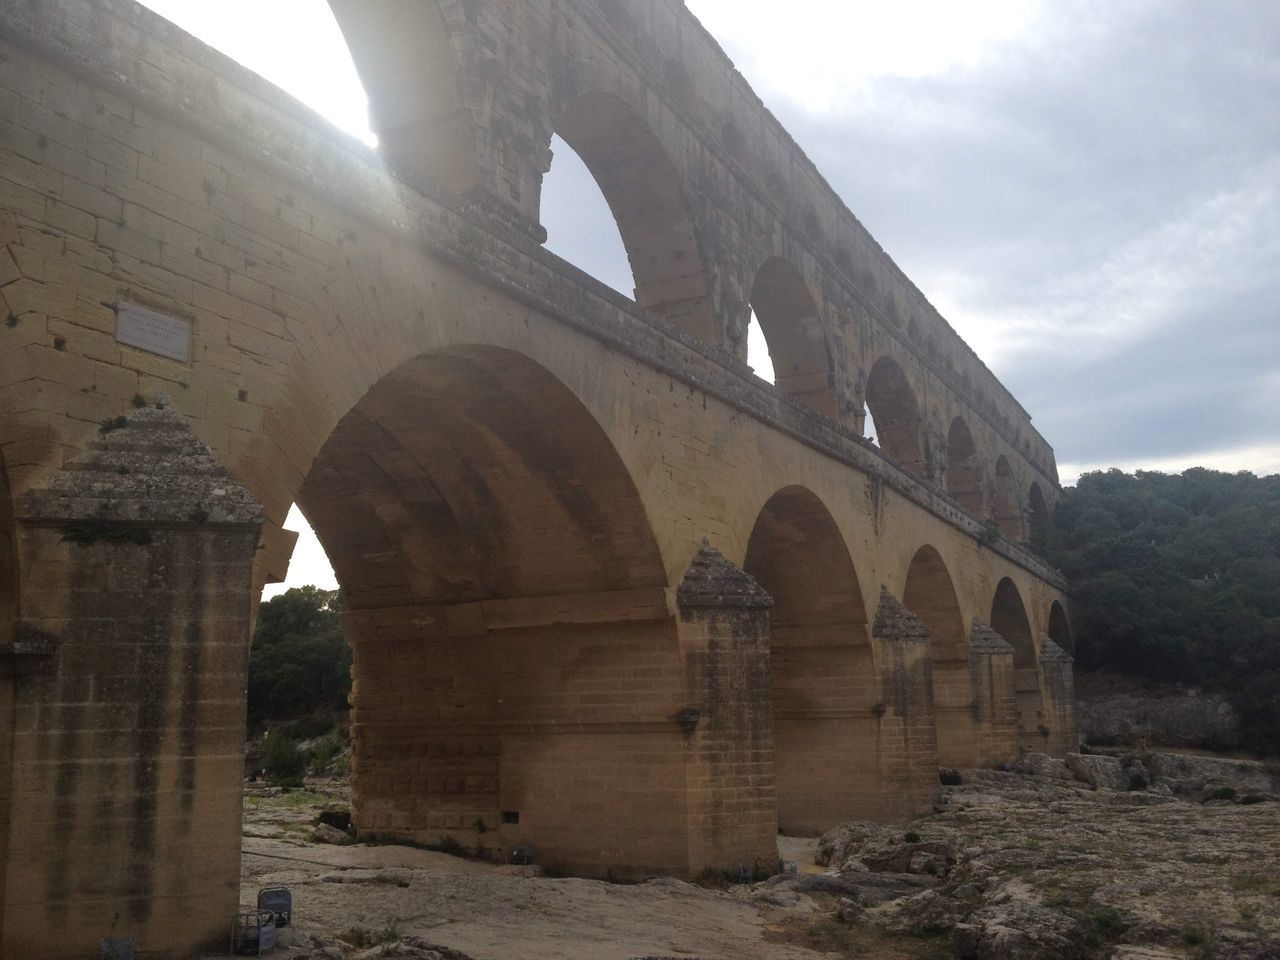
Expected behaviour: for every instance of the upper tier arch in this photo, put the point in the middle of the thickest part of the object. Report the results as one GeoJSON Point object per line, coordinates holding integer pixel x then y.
{"type": "Point", "coordinates": [404, 52]}
{"type": "Point", "coordinates": [789, 318]}
{"type": "Point", "coordinates": [647, 199]}
{"type": "Point", "coordinates": [698, 174]}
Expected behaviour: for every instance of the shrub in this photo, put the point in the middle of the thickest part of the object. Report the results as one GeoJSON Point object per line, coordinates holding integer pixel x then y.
{"type": "Point", "coordinates": [950, 778]}
{"type": "Point", "coordinates": [282, 760]}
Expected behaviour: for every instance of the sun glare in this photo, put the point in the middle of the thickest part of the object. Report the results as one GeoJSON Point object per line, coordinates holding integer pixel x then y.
{"type": "Point", "coordinates": [295, 44]}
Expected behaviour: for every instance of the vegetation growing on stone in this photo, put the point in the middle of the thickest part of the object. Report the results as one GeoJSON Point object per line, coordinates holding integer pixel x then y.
{"type": "Point", "coordinates": [1177, 579]}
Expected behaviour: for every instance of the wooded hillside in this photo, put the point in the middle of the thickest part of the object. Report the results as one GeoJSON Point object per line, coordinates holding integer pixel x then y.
{"type": "Point", "coordinates": [1177, 578]}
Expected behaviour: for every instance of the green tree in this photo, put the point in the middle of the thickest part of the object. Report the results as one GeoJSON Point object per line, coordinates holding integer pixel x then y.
{"type": "Point", "coordinates": [299, 665]}
{"type": "Point", "coordinates": [1177, 578]}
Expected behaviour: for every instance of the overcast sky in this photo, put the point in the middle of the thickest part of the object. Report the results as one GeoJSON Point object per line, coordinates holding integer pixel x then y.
{"type": "Point", "coordinates": [1088, 191]}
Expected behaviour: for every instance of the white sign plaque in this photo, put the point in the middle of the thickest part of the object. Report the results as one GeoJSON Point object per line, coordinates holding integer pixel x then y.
{"type": "Point", "coordinates": [153, 332]}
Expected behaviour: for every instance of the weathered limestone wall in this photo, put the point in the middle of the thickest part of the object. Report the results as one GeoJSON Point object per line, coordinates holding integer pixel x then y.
{"type": "Point", "coordinates": [908, 746]}
{"type": "Point", "coordinates": [826, 736]}
{"type": "Point", "coordinates": [128, 734]}
{"type": "Point", "coordinates": [995, 703]}
{"type": "Point", "coordinates": [654, 107]}
{"type": "Point", "coordinates": [728, 725]}
{"type": "Point", "coordinates": [135, 166]}
{"type": "Point", "coordinates": [560, 735]}
{"type": "Point", "coordinates": [1058, 682]}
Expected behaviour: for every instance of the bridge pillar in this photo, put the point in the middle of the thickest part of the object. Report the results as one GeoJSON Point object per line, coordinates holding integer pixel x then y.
{"type": "Point", "coordinates": [128, 670]}
{"type": "Point", "coordinates": [907, 735]}
{"type": "Point", "coordinates": [728, 725]}
{"type": "Point", "coordinates": [995, 706]}
{"type": "Point", "coordinates": [1059, 698]}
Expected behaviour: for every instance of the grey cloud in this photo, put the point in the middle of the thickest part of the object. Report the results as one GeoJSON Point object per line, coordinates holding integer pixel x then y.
{"type": "Point", "coordinates": [1078, 177]}
{"type": "Point", "coordinates": [1106, 190]}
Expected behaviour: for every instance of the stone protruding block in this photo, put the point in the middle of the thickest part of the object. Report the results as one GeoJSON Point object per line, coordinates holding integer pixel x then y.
{"type": "Point", "coordinates": [728, 723]}
{"type": "Point", "coordinates": [1057, 684]}
{"type": "Point", "coordinates": [907, 734]}
{"type": "Point", "coordinates": [713, 583]}
{"type": "Point", "coordinates": [995, 702]}
{"type": "Point", "coordinates": [128, 744]}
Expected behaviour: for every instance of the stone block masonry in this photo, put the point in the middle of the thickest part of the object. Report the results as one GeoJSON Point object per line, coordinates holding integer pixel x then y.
{"type": "Point", "coordinates": [607, 593]}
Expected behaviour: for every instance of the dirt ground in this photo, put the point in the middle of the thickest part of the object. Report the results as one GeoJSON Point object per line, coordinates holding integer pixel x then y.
{"type": "Point", "coordinates": [1121, 868]}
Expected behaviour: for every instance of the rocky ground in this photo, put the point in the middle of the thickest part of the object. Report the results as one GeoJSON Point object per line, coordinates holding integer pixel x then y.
{"type": "Point", "coordinates": [1137, 858]}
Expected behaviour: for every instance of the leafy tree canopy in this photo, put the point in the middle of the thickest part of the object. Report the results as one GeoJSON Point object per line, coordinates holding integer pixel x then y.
{"type": "Point", "coordinates": [300, 665]}
{"type": "Point", "coordinates": [1177, 578]}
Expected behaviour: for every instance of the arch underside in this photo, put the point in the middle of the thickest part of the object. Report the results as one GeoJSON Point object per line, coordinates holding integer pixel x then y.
{"type": "Point", "coordinates": [499, 570]}
{"type": "Point", "coordinates": [930, 594]}
{"type": "Point", "coordinates": [1060, 627]}
{"type": "Point", "coordinates": [1009, 619]}
{"type": "Point", "coordinates": [824, 678]}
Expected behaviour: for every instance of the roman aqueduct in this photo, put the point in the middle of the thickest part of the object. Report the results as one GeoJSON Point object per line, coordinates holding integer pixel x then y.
{"type": "Point", "coordinates": [608, 592]}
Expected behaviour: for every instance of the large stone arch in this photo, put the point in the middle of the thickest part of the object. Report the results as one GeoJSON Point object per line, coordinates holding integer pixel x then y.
{"type": "Point", "coordinates": [1006, 507]}
{"type": "Point", "coordinates": [824, 676]}
{"type": "Point", "coordinates": [931, 595]}
{"type": "Point", "coordinates": [647, 198]}
{"type": "Point", "coordinates": [409, 65]}
{"type": "Point", "coordinates": [499, 574]}
{"type": "Point", "coordinates": [1009, 619]}
{"type": "Point", "coordinates": [897, 414]}
{"type": "Point", "coordinates": [965, 481]}
{"type": "Point", "coordinates": [789, 318]}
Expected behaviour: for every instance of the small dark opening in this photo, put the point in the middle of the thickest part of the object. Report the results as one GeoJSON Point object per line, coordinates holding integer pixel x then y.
{"type": "Point", "coordinates": [510, 816]}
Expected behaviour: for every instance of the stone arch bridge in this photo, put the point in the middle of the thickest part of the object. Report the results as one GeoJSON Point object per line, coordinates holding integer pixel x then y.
{"type": "Point", "coordinates": [608, 592]}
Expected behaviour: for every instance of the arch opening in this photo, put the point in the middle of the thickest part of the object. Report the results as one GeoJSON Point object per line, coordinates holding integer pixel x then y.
{"type": "Point", "coordinates": [648, 204]}
{"type": "Point", "coordinates": [1009, 619]}
{"type": "Point", "coordinates": [824, 681]}
{"type": "Point", "coordinates": [580, 225]}
{"type": "Point", "coordinates": [1038, 517]}
{"type": "Point", "coordinates": [1006, 510]}
{"type": "Point", "coordinates": [788, 318]}
{"type": "Point", "coordinates": [964, 469]}
{"type": "Point", "coordinates": [483, 529]}
{"type": "Point", "coordinates": [893, 404]}
{"type": "Point", "coordinates": [409, 68]}
{"type": "Point", "coordinates": [931, 595]}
